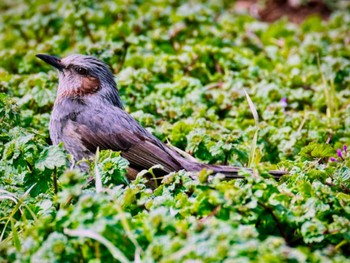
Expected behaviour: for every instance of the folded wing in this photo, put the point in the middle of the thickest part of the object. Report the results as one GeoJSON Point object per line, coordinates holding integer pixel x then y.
{"type": "Point", "coordinates": [113, 128]}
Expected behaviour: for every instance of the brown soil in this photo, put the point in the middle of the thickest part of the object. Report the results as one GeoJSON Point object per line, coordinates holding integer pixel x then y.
{"type": "Point", "coordinates": [275, 9]}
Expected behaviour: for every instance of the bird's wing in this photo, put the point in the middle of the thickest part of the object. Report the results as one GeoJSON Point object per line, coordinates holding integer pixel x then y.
{"type": "Point", "coordinates": [113, 128]}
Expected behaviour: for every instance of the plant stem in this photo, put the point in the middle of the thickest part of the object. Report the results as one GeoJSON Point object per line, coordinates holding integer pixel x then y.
{"type": "Point", "coordinates": [278, 223]}
{"type": "Point", "coordinates": [55, 184]}
{"type": "Point", "coordinates": [122, 59]}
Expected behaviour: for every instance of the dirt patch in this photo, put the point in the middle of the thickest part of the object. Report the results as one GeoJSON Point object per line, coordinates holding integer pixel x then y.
{"type": "Point", "coordinates": [271, 10]}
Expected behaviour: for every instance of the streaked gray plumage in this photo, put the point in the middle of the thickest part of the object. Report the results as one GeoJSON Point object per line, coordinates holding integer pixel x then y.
{"type": "Point", "coordinates": [88, 114]}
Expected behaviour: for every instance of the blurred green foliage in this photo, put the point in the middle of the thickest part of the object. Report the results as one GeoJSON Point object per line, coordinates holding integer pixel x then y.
{"type": "Point", "coordinates": [181, 68]}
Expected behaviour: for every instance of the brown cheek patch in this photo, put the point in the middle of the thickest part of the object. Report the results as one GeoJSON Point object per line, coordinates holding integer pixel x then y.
{"type": "Point", "coordinates": [90, 85]}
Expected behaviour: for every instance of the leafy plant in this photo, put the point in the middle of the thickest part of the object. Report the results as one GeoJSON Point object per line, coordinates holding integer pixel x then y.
{"type": "Point", "coordinates": [184, 71]}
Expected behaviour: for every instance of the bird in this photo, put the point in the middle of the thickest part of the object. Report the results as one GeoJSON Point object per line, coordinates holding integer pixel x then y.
{"type": "Point", "coordinates": [88, 115]}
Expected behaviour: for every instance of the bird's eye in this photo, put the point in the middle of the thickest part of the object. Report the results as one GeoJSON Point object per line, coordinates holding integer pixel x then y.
{"type": "Point", "coordinates": [81, 71]}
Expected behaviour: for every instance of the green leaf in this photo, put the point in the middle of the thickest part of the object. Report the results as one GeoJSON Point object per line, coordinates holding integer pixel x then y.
{"type": "Point", "coordinates": [313, 231]}
{"type": "Point", "coordinates": [316, 150]}
{"type": "Point", "coordinates": [50, 158]}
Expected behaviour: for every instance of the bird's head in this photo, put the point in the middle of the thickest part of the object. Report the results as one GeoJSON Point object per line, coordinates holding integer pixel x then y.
{"type": "Point", "coordinates": [84, 76]}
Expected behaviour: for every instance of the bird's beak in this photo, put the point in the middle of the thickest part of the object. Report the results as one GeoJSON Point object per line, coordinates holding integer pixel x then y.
{"type": "Point", "coordinates": [53, 61]}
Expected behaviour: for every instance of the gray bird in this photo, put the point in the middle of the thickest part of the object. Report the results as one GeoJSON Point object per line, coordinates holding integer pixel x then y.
{"type": "Point", "coordinates": [88, 114]}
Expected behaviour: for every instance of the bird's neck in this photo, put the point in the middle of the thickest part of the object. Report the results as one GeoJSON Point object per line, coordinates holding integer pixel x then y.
{"type": "Point", "coordinates": [90, 101]}
{"type": "Point", "coordinates": [111, 95]}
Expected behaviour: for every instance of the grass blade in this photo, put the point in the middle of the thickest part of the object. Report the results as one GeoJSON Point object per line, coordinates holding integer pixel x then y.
{"type": "Point", "coordinates": [253, 149]}
{"type": "Point", "coordinates": [255, 138]}
{"type": "Point", "coordinates": [252, 108]}
{"type": "Point", "coordinates": [14, 211]}
{"type": "Point", "coordinates": [3, 197]}
{"type": "Point", "coordinates": [16, 240]}
{"type": "Point", "coordinates": [98, 179]}
{"type": "Point", "coordinates": [116, 253]}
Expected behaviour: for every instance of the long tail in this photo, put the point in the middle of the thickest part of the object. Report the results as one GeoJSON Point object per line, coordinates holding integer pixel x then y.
{"type": "Point", "coordinates": [230, 172]}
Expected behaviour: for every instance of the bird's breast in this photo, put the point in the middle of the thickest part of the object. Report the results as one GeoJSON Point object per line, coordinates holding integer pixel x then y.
{"type": "Point", "coordinates": [63, 111]}
{"type": "Point", "coordinates": [64, 128]}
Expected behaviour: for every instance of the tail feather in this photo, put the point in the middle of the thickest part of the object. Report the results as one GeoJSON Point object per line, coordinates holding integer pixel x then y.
{"type": "Point", "coordinates": [230, 172]}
